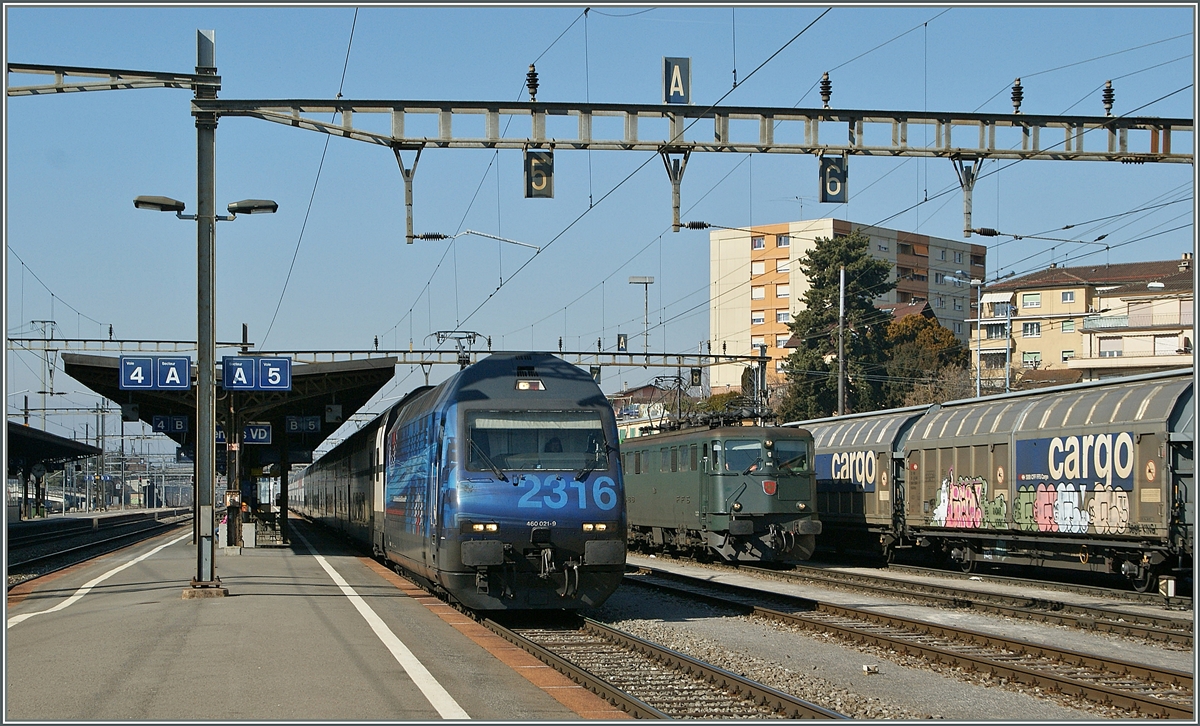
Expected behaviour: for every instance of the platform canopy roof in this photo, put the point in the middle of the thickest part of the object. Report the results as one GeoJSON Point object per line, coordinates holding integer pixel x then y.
{"type": "Point", "coordinates": [346, 386]}
{"type": "Point", "coordinates": [28, 447]}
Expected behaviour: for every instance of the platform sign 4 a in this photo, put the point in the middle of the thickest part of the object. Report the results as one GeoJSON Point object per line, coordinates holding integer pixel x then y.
{"type": "Point", "coordinates": [155, 373]}
{"type": "Point", "coordinates": [254, 373]}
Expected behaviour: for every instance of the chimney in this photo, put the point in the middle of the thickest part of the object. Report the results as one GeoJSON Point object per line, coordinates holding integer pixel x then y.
{"type": "Point", "coordinates": [1053, 265]}
{"type": "Point", "coordinates": [1185, 263]}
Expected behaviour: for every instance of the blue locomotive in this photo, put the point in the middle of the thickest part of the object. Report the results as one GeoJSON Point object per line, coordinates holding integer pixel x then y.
{"type": "Point", "coordinates": [500, 488]}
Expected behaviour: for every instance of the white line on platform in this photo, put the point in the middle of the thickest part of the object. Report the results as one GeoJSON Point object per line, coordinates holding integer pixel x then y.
{"type": "Point", "coordinates": [92, 583]}
{"type": "Point", "coordinates": [437, 696]}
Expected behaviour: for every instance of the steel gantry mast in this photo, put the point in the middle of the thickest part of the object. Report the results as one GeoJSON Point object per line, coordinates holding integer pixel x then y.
{"type": "Point", "coordinates": [967, 139]}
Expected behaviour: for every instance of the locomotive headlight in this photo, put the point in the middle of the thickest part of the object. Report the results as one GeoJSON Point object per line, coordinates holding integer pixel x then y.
{"type": "Point", "coordinates": [601, 526]}
{"type": "Point", "coordinates": [491, 527]}
{"type": "Point", "coordinates": [477, 527]}
{"type": "Point", "coordinates": [768, 443]}
{"type": "Point", "coordinates": [588, 527]}
{"type": "Point", "coordinates": [596, 527]}
{"type": "Point", "coordinates": [737, 506]}
{"type": "Point", "coordinates": [801, 506]}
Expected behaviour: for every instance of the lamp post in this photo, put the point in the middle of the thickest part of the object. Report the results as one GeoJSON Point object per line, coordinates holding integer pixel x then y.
{"type": "Point", "coordinates": [206, 346]}
{"type": "Point", "coordinates": [645, 282]}
{"type": "Point", "coordinates": [978, 285]}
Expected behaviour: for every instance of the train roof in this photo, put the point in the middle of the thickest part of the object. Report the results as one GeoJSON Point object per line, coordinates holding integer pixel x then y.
{"type": "Point", "coordinates": [1163, 400]}
{"type": "Point", "coordinates": [1151, 402]}
{"type": "Point", "coordinates": [883, 429]}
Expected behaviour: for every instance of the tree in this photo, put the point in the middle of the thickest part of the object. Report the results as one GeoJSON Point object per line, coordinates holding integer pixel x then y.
{"type": "Point", "coordinates": [812, 368]}
{"type": "Point", "coordinates": [951, 383]}
{"type": "Point", "coordinates": [920, 349]}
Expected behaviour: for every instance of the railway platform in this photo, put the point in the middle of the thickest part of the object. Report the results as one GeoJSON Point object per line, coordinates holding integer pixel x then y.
{"type": "Point", "coordinates": [312, 631]}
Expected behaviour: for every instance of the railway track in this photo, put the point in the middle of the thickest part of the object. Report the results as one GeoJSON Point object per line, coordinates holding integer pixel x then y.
{"type": "Point", "coordinates": [46, 556]}
{"type": "Point", "coordinates": [648, 681]}
{"type": "Point", "coordinates": [1086, 617]}
{"type": "Point", "coordinates": [1147, 690]}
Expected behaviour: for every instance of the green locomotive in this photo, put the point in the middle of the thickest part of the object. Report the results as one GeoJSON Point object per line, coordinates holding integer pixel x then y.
{"type": "Point", "coordinates": [740, 493]}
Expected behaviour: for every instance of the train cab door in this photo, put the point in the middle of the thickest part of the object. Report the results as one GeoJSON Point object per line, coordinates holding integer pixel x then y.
{"type": "Point", "coordinates": [377, 497]}
{"type": "Point", "coordinates": [437, 429]}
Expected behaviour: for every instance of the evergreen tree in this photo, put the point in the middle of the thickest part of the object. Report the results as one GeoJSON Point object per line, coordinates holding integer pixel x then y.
{"type": "Point", "coordinates": [812, 370]}
{"type": "Point", "coordinates": [920, 349]}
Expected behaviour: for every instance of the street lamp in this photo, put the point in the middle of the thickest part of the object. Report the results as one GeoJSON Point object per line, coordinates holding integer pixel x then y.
{"type": "Point", "coordinates": [204, 510]}
{"type": "Point", "coordinates": [645, 282]}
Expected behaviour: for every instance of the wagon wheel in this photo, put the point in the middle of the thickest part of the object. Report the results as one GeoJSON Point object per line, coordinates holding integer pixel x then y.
{"type": "Point", "coordinates": [967, 564]}
{"type": "Point", "coordinates": [1144, 580]}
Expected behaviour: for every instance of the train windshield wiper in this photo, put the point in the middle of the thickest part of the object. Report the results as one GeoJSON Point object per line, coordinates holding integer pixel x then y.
{"type": "Point", "coordinates": [579, 475]}
{"type": "Point", "coordinates": [488, 460]}
{"type": "Point", "coordinates": [788, 464]}
{"type": "Point", "coordinates": [752, 466]}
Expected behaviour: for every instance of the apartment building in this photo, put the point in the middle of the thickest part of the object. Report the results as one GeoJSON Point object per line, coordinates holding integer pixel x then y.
{"type": "Point", "coordinates": [1101, 320]}
{"type": "Point", "coordinates": [756, 285]}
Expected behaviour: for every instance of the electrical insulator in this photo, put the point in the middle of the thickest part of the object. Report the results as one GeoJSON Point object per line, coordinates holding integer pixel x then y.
{"type": "Point", "coordinates": [531, 82]}
{"type": "Point", "coordinates": [826, 89]}
{"type": "Point", "coordinates": [489, 342]}
{"type": "Point", "coordinates": [560, 344]}
{"type": "Point", "coordinates": [696, 225]}
{"type": "Point", "coordinates": [1108, 98]}
{"type": "Point", "coordinates": [1017, 96]}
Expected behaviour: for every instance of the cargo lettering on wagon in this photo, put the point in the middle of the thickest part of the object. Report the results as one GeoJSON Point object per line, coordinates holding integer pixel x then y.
{"type": "Point", "coordinates": [1091, 459]}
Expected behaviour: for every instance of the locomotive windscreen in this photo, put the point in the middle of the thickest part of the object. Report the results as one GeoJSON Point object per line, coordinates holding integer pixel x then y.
{"type": "Point", "coordinates": [792, 455]}
{"type": "Point", "coordinates": [556, 440]}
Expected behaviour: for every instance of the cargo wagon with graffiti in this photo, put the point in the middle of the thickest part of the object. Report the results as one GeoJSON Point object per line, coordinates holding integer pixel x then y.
{"type": "Point", "coordinates": [1095, 476]}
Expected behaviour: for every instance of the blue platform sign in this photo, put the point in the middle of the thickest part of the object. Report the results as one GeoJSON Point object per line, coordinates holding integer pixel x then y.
{"type": "Point", "coordinates": [257, 433]}
{"type": "Point", "coordinates": [275, 374]}
{"type": "Point", "coordinates": [246, 373]}
{"type": "Point", "coordinates": [155, 373]}
{"type": "Point", "coordinates": [220, 435]}
{"type": "Point", "coordinates": [137, 373]}
{"type": "Point", "coordinates": [173, 373]}
{"type": "Point", "coordinates": [302, 424]}
{"type": "Point", "coordinates": [170, 424]}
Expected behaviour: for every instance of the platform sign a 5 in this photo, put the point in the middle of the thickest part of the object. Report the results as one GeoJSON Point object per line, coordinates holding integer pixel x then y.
{"type": "Point", "coordinates": [254, 373]}
{"type": "Point", "coordinates": [275, 374]}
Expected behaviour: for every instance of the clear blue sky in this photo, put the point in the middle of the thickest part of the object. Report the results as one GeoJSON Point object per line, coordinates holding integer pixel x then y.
{"type": "Point", "coordinates": [77, 251]}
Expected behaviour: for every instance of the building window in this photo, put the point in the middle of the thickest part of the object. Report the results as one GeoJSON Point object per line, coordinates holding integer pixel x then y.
{"type": "Point", "coordinates": [784, 265]}
{"type": "Point", "coordinates": [939, 302]}
{"type": "Point", "coordinates": [757, 342]}
{"type": "Point", "coordinates": [1166, 344]}
{"type": "Point", "coordinates": [757, 243]}
{"type": "Point", "coordinates": [1067, 355]}
{"type": "Point", "coordinates": [1031, 330]}
{"type": "Point", "coordinates": [781, 366]}
{"type": "Point", "coordinates": [1112, 347]}
{"type": "Point", "coordinates": [758, 292]}
{"type": "Point", "coordinates": [958, 328]}
{"type": "Point", "coordinates": [1068, 296]}
{"type": "Point", "coordinates": [783, 290]}
{"type": "Point", "coordinates": [782, 316]}
{"type": "Point", "coordinates": [1068, 326]}
{"type": "Point", "coordinates": [1031, 300]}
{"type": "Point", "coordinates": [958, 258]}
{"type": "Point", "coordinates": [957, 282]}
{"type": "Point", "coordinates": [781, 339]}
{"type": "Point", "coordinates": [939, 278]}
{"type": "Point", "coordinates": [941, 254]}
{"type": "Point", "coordinates": [958, 303]}
{"type": "Point", "coordinates": [757, 267]}
{"type": "Point", "coordinates": [883, 248]}
{"type": "Point", "coordinates": [1001, 310]}
{"type": "Point", "coordinates": [783, 241]}
{"type": "Point", "coordinates": [1031, 359]}
{"type": "Point", "coordinates": [757, 317]}
{"type": "Point", "coordinates": [994, 331]}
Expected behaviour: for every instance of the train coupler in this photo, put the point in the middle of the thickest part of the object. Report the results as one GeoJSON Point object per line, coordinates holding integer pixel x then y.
{"type": "Point", "coordinates": [481, 581]}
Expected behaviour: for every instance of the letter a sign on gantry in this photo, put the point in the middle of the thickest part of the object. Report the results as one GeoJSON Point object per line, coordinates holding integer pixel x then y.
{"type": "Point", "coordinates": [677, 80]}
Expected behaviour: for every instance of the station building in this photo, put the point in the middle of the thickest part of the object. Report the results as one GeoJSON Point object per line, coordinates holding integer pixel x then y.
{"type": "Point", "coordinates": [756, 285]}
